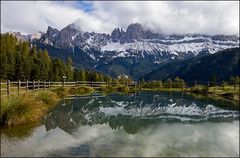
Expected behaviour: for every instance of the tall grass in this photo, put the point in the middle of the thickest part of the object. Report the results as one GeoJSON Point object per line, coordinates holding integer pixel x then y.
{"type": "Point", "coordinates": [26, 108]}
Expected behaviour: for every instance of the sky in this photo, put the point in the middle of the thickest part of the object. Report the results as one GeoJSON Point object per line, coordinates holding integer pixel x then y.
{"type": "Point", "coordinates": [169, 17]}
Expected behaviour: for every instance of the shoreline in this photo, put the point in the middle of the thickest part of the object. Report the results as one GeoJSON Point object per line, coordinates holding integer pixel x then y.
{"type": "Point", "coordinates": [32, 106]}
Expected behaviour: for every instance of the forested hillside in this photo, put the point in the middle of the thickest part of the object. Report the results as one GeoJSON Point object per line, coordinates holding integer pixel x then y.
{"type": "Point", "coordinates": [20, 61]}
{"type": "Point", "coordinates": [221, 65]}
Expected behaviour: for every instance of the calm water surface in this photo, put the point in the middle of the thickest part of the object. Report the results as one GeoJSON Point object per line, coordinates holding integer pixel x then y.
{"type": "Point", "coordinates": [142, 124]}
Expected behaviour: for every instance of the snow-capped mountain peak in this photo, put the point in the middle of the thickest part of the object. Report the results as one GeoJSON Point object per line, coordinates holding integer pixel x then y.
{"type": "Point", "coordinates": [136, 41]}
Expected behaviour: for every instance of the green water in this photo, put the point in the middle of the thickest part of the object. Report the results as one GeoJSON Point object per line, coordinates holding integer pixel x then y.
{"type": "Point", "coordinates": [141, 124]}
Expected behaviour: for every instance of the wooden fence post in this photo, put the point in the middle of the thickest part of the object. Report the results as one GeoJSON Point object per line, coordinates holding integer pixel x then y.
{"type": "Point", "coordinates": [76, 83]}
{"type": "Point", "coordinates": [92, 83]}
{"type": "Point", "coordinates": [63, 82]}
{"type": "Point", "coordinates": [26, 85]}
{"type": "Point", "coordinates": [19, 84]}
{"type": "Point", "coordinates": [48, 84]}
{"type": "Point", "coordinates": [8, 88]}
{"type": "Point", "coordinates": [33, 85]}
{"type": "Point", "coordinates": [44, 84]}
{"type": "Point", "coordinates": [38, 84]}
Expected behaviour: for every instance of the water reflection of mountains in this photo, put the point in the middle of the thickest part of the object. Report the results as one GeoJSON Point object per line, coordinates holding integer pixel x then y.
{"type": "Point", "coordinates": [135, 111]}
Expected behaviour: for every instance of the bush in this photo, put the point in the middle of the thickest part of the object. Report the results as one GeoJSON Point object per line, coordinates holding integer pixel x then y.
{"type": "Point", "coordinates": [110, 89]}
{"type": "Point", "coordinates": [199, 90]}
{"type": "Point", "coordinates": [80, 90]}
{"type": "Point", "coordinates": [123, 89]}
{"type": "Point", "coordinates": [72, 91]}
{"type": "Point", "coordinates": [61, 91]}
{"type": "Point", "coordinates": [84, 90]}
{"type": "Point", "coordinates": [107, 89]}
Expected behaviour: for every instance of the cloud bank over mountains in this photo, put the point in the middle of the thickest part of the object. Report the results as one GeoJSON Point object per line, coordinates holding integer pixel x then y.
{"type": "Point", "coordinates": [103, 16]}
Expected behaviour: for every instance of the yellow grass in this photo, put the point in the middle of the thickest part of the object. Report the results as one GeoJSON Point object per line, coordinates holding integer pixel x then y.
{"type": "Point", "coordinates": [26, 108]}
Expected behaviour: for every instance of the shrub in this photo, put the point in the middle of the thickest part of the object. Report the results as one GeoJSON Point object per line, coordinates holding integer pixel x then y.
{"type": "Point", "coordinates": [123, 89]}
{"type": "Point", "coordinates": [199, 90]}
{"type": "Point", "coordinates": [84, 90]}
{"type": "Point", "coordinates": [107, 89]}
{"type": "Point", "coordinates": [61, 91]}
{"type": "Point", "coordinates": [80, 90]}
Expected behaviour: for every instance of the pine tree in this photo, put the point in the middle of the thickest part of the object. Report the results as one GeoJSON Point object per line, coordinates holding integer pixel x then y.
{"type": "Point", "coordinates": [45, 65]}
{"type": "Point", "coordinates": [69, 69]}
{"type": "Point", "coordinates": [3, 66]}
{"type": "Point", "coordinates": [101, 79]}
{"type": "Point", "coordinates": [82, 75]}
{"type": "Point", "coordinates": [18, 67]}
{"type": "Point", "coordinates": [231, 80]}
{"type": "Point", "coordinates": [213, 80]}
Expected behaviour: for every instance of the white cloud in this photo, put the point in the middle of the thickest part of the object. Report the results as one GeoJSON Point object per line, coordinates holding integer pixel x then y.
{"type": "Point", "coordinates": [174, 17]}
{"type": "Point", "coordinates": [165, 16]}
{"type": "Point", "coordinates": [30, 16]}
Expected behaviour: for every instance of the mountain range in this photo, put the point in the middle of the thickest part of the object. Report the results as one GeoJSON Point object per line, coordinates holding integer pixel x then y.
{"type": "Point", "coordinates": [222, 65]}
{"type": "Point", "coordinates": [135, 51]}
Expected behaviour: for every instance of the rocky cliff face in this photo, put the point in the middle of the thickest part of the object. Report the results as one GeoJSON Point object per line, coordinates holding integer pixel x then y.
{"type": "Point", "coordinates": [138, 42]}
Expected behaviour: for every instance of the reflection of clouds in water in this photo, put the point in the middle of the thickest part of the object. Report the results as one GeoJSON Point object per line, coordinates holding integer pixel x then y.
{"type": "Point", "coordinates": [165, 139]}
{"type": "Point", "coordinates": [39, 143]}
{"type": "Point", "coordinates": [207, 139]}
{"type": "Point", "coordinates": [125, 126]}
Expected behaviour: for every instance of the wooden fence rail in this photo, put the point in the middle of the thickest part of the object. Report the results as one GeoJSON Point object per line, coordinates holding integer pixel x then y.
{"type": "Point", "coordinates": [16, 87]}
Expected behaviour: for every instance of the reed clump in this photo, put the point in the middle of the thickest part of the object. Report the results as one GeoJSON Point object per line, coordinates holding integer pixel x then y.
{"type": "Point", "coordinates": [26, 108]}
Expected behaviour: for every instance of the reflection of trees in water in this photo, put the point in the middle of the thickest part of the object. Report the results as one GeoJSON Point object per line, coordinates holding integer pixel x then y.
{"type": "Point", "coordinates": [140, 110]}
{"type": "Point", "coordinates": [129, 124]}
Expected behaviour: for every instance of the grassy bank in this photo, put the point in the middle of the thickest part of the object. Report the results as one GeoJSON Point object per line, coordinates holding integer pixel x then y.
{"type": "Point", "coordinates": [26, 108]}
{"type": "Point", "coordinates": [227, 92]}
{"type": "Point", "coordinates": [30, 107]}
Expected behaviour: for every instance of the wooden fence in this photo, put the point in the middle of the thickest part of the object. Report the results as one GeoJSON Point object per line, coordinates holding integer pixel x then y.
{"type": "Point", "coordinates": [8, 88]}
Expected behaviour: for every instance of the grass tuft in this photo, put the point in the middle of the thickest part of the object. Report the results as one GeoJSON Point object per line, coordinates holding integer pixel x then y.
{"type": "Point", "coordinates": [26, 108]}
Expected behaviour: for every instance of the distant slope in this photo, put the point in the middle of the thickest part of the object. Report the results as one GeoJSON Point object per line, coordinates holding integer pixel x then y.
{"type": "Point", "coordinates": [222, 64]}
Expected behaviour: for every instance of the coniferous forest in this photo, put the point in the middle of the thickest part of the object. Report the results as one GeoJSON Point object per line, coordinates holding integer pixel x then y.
{"type": "Point", "coordinates": [22, 61]}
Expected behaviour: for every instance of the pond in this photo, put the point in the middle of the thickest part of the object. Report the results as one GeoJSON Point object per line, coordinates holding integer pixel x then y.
{"type": "Point", "coordinates": [140, 124]}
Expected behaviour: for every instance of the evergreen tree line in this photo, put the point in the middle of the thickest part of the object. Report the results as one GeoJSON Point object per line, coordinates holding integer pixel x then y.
{"type": "Point", "coordinates": [175, 83]}
{"type": "Point", "coordinates": [19, 61]}
{"type": "Point", "coordinates": [179, 83]}
{"type": "Point", "coordinates": [232, 81]}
